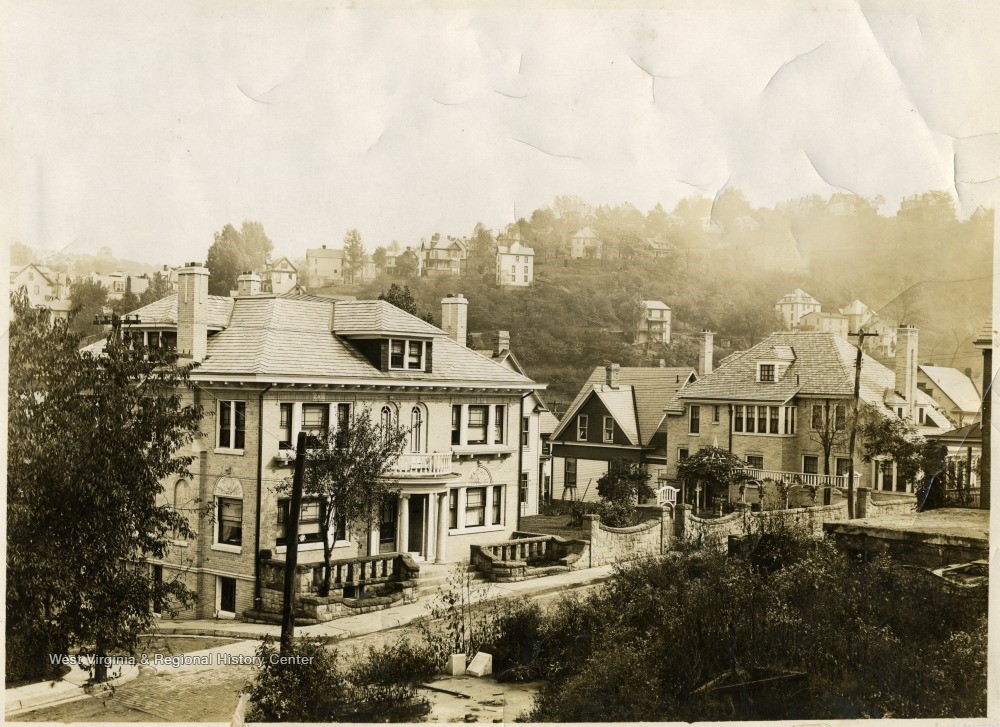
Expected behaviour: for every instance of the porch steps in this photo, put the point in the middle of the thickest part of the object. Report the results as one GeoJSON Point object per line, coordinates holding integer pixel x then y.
{"type": "Point", "coordinates": [545, 570]}
{"type": "Point", "coordinates": [434, 578]}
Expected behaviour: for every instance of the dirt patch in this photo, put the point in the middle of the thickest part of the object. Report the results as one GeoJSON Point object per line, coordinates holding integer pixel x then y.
{"type": "Point", "coordinates": [558, 524]}
{"type": "Point", "coordinates": [173, 645]}
{"type": "Point", "coordinates": [478, 699]}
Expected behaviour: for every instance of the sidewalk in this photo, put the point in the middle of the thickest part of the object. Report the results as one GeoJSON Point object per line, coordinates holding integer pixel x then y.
{"type": "Point", "coordinates": [390, 618]}
{"type": "Point", "coordinates": [33, 696]}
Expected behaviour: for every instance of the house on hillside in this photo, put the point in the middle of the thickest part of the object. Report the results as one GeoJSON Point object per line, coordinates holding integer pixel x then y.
{"type": "Point", "coordinates": [272, 366]}
{"type": "Point", "coordinates": [44, 287]}
{"type": "Point", "coordinates": [403, 263]}
{"type": "Point", "coordinates": [324, 266]}
{"type": "Point", "coordinates": [515, 261]}
{"type": "Point", "coordinates": [657, 248]}
{"type": "Point", "coordinates": [443, 256]}
{"type": "Point", "coordinates": [534, 483]}
{"type": "Point", "coordinates": [858, 315]}
{"type": "Point", "coordinates": [585, 244]}
{"type": "Point", "coordinates": [280, 276]}
{"type": "Point", "coordinates": [655, 324]}
{"type": "Point", "coordinates": [954, 392]}
{"type": "Point", "coordinates": [618, 413]}
{"type": "Point", "coordinates": [118, 283]}
{"type": "Point", "coordinates": [824, 323]}
{"type": "Point", "coordinates": [771, 404]}
{"type": "Point", "coordinates": [794, 305]}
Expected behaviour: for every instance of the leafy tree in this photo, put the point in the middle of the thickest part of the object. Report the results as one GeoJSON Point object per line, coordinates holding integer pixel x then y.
{"type": "Point", "coordinates": [406, 266]}
{"type": "Point", "coordinates": [350, 472]}
{"type": "Point", "coordinates": [378, 257]}
{"type": "Point", "coordinates": [89, 298]}
{"type": "Point", "coordinates": [234, 252]}
{"type": "Point", "coordinates": [713, 468]}
{"type": "Point", "coordinates": [159, 287]}
{"type": "Point", "coordinates": [354, 253]}
{"type": "Point", "coordinates": [20, 254]}
{"type": "Point", "coordinates": [629, 311]}
{"type": "Point", "coordinates": [90, 440]}
{"type": "Point", "coordinates": [401, 297]}
{"type": "Point", "coordinates": [621, 488]}
{"type": "Point", "coordinates": [830, 430]}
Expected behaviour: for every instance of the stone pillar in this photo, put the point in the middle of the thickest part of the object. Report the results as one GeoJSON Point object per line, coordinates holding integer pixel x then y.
{"type": "Point", "coordinates": [861, 505]}
{"type": "Point", "coordinates": [682, 519]}
{"type": "Point", "coordinates": [442, 527]}
{"type": "Point", "coordinates": [403, 523]}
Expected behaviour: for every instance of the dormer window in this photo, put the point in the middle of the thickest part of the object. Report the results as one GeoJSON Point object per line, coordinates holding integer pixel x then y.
{"type": "Point", "coordinates": [406, 355]}
{"type": "Point", "coordinates": [765, 372]}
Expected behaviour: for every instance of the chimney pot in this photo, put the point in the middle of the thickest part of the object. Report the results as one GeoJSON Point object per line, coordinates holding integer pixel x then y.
{"type": "Point", "coordinates": [612, 373]}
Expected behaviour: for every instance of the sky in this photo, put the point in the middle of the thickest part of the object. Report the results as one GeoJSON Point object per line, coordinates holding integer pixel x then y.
{"type": "Point", "coordinates": [146, 127]}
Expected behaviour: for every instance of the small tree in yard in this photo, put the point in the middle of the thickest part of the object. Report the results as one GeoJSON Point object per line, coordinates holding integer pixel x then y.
{"type": "Point", "coordinates": [90, 440]}
{"type": "Point", "coordinates": [829, 428]}
{"type": "Point", "coordinates": [711, 467]}
{"type": "Point", "coordinates": [349, 472]}
{"type": "Point", "coordinates": [620, 490]}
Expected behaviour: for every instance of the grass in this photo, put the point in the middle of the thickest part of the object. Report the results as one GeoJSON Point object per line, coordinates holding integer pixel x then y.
{"type": "Point", "coordinates": [558, 524]}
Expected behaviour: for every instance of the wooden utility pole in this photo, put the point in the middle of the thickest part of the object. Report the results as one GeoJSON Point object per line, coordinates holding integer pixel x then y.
{"type": "Point", "coordinates": [854, 422]}
{"type": "Point", "coordinates": [292, 546]}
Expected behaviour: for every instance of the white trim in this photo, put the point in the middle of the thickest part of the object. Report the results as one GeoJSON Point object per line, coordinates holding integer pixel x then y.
{"type": "Point", "coordinates": [229, 451]}
{"type": "Point", "coordinates": [224, 379]}
{"type": "Point", "coordinates": [223, 548]}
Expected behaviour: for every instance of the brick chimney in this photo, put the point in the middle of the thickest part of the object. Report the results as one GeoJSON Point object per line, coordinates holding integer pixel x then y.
{"type": "Point", "coordinates": [906, 366]}
{"type": "Point", "coordinates": [612, 374]}
{"type": "Point", "coordinates": [192, 311]}
{"type": "Point", "coordinates": [706, 353]}
{"type": "Point", "coordinates": [248, 284]}
{"type": "Point", "coordinates": [502, 342]}
{"type": "Point", "coordinates": [455, 317]}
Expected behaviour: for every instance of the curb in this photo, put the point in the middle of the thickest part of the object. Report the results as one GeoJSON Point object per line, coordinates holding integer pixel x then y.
{"type": "Point", "coordinates": [14, 707]}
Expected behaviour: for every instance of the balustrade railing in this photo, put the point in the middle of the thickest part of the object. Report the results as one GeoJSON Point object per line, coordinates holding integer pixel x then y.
{"type": "Point", "coordinates": [522, 549]}
{"type": "Point", "coordinates": [422, 464]}
{"type": "Point", "coordinates": [803, 478]}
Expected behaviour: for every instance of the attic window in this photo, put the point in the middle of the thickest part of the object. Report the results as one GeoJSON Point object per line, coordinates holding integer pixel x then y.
{"type": "Point", "coordinates": [406, 355]}
{"type": "Point", "coordinates": [766, 372]}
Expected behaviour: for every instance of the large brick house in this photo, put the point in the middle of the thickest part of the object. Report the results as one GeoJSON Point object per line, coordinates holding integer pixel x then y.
{"type": "Point", "coordinates": [618, 413]}
{"type": "Point", "coordinates": [771, 405]}
{"type": "Point", "coordinates": [271, 366]}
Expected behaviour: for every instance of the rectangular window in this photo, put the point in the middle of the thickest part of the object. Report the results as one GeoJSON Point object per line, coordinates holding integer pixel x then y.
{"type": "Point", "coordinates": [793, 411]}
{"type": "Point", "coordinates": [817, 416]}
{"type": "Point", "coordinates": [546, 447]}
{"type": "Point", "coordinates": [397, 353]}
{"type": "Point", "coordinates": [840, 416]}
{"type": "Point", "coordinates": [581, 428]}
{"type": "Point", "coordinates": [525, 431]}
{"type": "Point", "coordinates": [762, 420]}
{"type": "Point", "coordinates": [755, 461]}
{"type": "Point", "coordinates": [609, 430]}
{"type": "Point", "coordinates": [230, 516]}
{"type": "Point", "coordinates": [285, 427]}
{"type": "Point", "coordinates": [452, 509]}
{"type": "Point", "coordinates": [168, 339]}
{"type": "Point", "coordinates": [810, 464]}
{"type": "Point", "coordinates": [497, 505]}
{"type": "Point", "coordinates": [522, 492]}
{"type": "Point", "coordinates": [682, 454]}
{"type": "Point", "coordinates": [715, 413]}
{"type": "Point", "coordinates": [153, 339]}
{"type": "Point", "coordinates": [499, 422]}
{"type": "Point", "coordinates": [343, 416]}
{"type": "Point", "coordinates": [232, 424]}
{"type": "Point", "coordinates": [315, 422]}
{"type": "Point", "coordinates": [475, 506]}
{"type": "Point", "coordinates": [694, 420]}
{"type": "Point", "coordinates": [415, 355]}
{"type": "Point", "coordinates": [751, 419]}
{"type": "Point", "coordinates": [843, 466]}
{"type": "Point", "coordinates": [788, 419]}
{"type": "Point", "coordinates": [478, 416]}
{"type": "Point", "coordinates": [569, 477]}
{"type": "Point", "coordinates": [311, 519]}
{"type": "Point", "coordinates": [456, 426]}
{"type": "Point", "coordinates": [773, 412]}
{"type": "Point", "coordinates": [767, 372]}
{"type": "Point", "coordinates": [738, 418]}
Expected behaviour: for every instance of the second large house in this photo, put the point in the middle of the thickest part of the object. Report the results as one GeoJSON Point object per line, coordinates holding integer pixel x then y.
{"type": "Point", "coordinates": [270, 366]}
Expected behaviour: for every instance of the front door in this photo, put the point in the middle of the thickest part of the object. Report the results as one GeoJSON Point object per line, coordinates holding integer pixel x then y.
{"type": "Point", "coordinates": [227, 597]}
{"type": "Point", "coordinates": [415, 538]}
{"type": "Point", "coordinates": [387, 526]}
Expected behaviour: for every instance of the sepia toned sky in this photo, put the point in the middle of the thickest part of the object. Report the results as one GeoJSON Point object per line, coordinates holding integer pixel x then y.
{"type": "Point", "coordinates": [148, 126]}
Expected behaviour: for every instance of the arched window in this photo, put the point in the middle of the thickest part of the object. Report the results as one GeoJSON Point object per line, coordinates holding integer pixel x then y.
{"type": "Point", "coordinates": [386, 419]}
{"type": "Point", "coordinates": [181, 495]}
{"type": "Point", "coordinates": [416, 430]}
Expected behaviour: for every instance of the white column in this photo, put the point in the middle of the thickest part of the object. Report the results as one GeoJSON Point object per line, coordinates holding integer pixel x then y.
{"type": "Point", "coordinates": [373, 540]}
{"type": "Point", "coordinates": [296, 422]}
{"type": "Point", "coordinates": [442, 527]}
{"type": "Point", "coordinates": [403, 523]}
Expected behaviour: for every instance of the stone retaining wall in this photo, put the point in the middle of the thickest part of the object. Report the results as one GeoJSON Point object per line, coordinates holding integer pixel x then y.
{"type": "Point", "coordinates": [610, 545]}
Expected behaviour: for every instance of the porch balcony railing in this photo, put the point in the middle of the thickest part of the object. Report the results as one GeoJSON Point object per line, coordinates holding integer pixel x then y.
{"type": "Point", "coordinates": [803, 478]}
{"type": "Point", "coordinates": [422, 464]}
